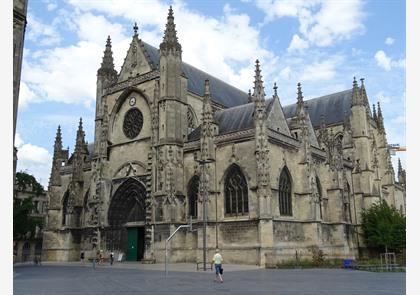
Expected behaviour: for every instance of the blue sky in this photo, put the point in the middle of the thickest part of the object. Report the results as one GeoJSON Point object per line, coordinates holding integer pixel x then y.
{"type": "Point", "coordinates": [321, 44]}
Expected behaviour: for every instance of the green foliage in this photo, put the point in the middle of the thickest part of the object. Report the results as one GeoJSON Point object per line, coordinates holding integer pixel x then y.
{"type": "Point", "coordinates": [383, 227]}
{"type": "Point", "coordinates": [25, 182]}
{"type": "Point", "coordinates": [23, 223]}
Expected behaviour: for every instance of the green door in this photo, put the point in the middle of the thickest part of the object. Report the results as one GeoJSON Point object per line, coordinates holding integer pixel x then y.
{"type": "Point", "coordinates": [132, 244]}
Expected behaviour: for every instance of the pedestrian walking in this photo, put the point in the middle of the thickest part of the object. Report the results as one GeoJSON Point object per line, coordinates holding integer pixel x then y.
{"type": "Point", "coordinates": [217, 260]}
{"type": "Point", "coordinates": [82, 257]}
{"type": "Point", "coordinates": [111, 258]}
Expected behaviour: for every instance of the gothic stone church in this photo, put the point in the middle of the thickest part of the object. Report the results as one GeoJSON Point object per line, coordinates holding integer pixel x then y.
{"type": "Point", "coordinates": [277, 179]}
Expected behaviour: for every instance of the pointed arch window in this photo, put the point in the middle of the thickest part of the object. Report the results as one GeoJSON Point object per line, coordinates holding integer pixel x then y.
{"type": "Point", "coordinates": [191, 120]}
{"type": "Point", "coordinates": [193, 189]}
{"type": "Point", "coordinates": [236, 192]}
{"type": "Point", "coordinates": [285, 192]}
{"type": "Point", "coordinates": [319, 191]}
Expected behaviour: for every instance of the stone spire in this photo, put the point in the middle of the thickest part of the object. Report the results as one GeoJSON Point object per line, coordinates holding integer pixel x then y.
{"type": "Point", "coordinates": [364, 98]}
{"type": "Point", "coordinates": [78, 153]}
{"type": "Point", "coordinates": [381, 126]}
{"type": "Point", "coordinates": [258, 95]}
{"type": "Point", "coordinates": [300, 109]}
{"type": "Point", "coordinates": [55, 179]}
{"type": "Point", "coordinates": [170, 40]}
{"type": "Point", "coordinates": [356, 98]}
{"type": "Point", "coordinates": [107, 65]}
{"type": "Point", "coordinates": [261, 144]}
{"type": "Point", "coordinates": [401, 173]}
{"type": "Point", "coordinates": [207, 109]}
{"type": "Point", "coordinates": [135, 29]}
{"type": "Point", "coordinates": [375, 117]}
{"type": "Point", "coordinates": [207, 125]}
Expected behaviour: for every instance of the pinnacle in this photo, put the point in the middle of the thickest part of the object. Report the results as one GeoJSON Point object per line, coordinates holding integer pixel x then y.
{"type": "Point", "coordinates": [170, 40]}
{"type": "Point", "coordinates": [107, 64]}
{"type": "Point", "coordinates": [206, 87]}
{"type": "Point", "coordinates": [135, 29]}
{"type": "Point", "coordinates": [258, 82]}
{"type": "Point", "coordinates": [299, 93]}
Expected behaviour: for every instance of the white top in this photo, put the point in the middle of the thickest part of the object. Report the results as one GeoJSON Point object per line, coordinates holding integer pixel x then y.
{"type": "Point", "coordinates": [217, 258]}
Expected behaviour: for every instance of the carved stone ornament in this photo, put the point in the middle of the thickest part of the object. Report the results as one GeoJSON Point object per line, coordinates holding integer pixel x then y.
{"type": "Point", "coordinates": [133, 122]}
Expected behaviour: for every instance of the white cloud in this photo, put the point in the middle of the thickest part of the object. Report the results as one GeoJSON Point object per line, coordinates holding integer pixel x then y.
{"type": "Point", "coordinates": [383, 98]}
{"type": "Point", "coordinates": [322, 23]}
{"type": "Point", "coordinates": [385, 62]}
{"type": "Point", "coordinates": [297, 44]}
{"type": "Point", "coordinates": [26, 95]}
{"type": "Point", "coordinates": [34, 160]}
{"type": "Point", "coordinates": [237, 42]}
{"type": "Point", "coordinates": [389, 41]}
{"type": "Point", "coordinates": [42, 34]}
{"type": "Point", "coordinates": [382, 60]}
{"type": "Point", "coordinates": [285, 73]}
{"type": "Point", "coordinates": [324, 70]}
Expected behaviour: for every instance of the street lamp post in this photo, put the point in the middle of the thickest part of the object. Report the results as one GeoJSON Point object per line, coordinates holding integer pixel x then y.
{"type": "Point", "coordinates": [202, 163]}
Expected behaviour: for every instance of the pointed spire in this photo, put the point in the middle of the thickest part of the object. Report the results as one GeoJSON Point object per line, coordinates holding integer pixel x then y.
{"type": "Point", "coordinates": [170, 40]}
{"type": "Point", "coordinates": [78, 153]}
{"type": "Point", "coordinates": [80, 137]}
{"type": "Point", "coordinates": [58, 145]}
{"type": "Point", "coordinates": [258, 83]}
{"type": "Point", "coordinates": [207, 109]}
{"type": "Point", "coordinates": [107, 65]}
{"type": "Point", "coordinates": [300, 109]}
{"type": "Point", "coordinates": [381, 126]}
{"type": "Point", "coordinates": [363, 91]}
{"type": "Point", "coordinates": [249, 96]}
{"type": "Point", "coordinates": [356, 97]}
{"type": "Point", "coordinates": [56, 162]}
{"type": "Point", "coordinates": [206, 88]}
{"type": "Point", "coordinates": [399, 166]}
{"type": "Point", "coordinates": [135, 29]}
{"type": "Point", "coordinates": [275, 89]}
{"type": "Point", "coordinates": [375, 117]}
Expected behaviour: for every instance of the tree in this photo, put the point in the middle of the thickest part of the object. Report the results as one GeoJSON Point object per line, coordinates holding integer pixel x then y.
{"type": "Point", "coordinates": [24, 225]}
{"type": "Point", "coordinates": [383, 227]}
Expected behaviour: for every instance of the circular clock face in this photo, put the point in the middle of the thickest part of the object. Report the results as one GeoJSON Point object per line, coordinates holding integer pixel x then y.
{"type": "Point", "coordinates": [132, 101]}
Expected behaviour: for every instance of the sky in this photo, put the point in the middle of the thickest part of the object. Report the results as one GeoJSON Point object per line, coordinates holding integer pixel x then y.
{"type": "Point", "coordinates": [321, 44]}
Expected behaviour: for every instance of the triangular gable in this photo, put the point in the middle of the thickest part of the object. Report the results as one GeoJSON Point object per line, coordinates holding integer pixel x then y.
{"type": "Point", "coordinates": [312, 137]}
{"type": "Point", "coordinates": [137, 61]}
{"type": "Point", "coordinates": [275, 117]}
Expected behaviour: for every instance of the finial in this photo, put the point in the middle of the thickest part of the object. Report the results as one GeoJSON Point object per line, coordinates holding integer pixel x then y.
{"type": "Point", "coordinates": [135, 29]}
{"type": "Point", "coordinates": [375, 117]}
{"type": "Point", "coordinates": [108, 41]}
{"type": "Point", "coordinates": [170, 40]}
{"type": "Point", "coordinates": [207, 87]}
{"type": "Point", "coordinates": [275, 89]}
{"type": "Point", "coordinates": [299, 93]}
{"type": "Point", "coordinates": [355, 82]}
{"type": "Point", "coordinates": [362, 80]}
{"type": "Point", "coordinates": [258, 83]}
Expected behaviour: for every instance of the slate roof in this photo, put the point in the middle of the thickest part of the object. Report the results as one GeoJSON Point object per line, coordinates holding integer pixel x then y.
{"type": "Point", "coordinates": [221, 92]}
{"type": "Point", "coordinates": [233, 119]}
{"type": "Point", "coordinates": [332, 106]}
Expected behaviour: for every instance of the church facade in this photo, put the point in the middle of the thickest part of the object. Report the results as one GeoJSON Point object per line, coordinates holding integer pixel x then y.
{"type": "Point", "coordinates": [173, 145]}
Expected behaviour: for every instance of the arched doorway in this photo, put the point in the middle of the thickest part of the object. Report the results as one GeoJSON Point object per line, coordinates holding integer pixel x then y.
{"type": "Point", "coordinates": [126, 219]}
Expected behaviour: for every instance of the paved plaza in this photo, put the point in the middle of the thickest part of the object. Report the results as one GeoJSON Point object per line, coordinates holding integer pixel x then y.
{"type": "Point", "coordinates": [127, 279]}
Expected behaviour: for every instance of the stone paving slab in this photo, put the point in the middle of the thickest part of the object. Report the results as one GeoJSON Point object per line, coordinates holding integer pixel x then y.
{"type": "Point", "coordinates": [74, 279]}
